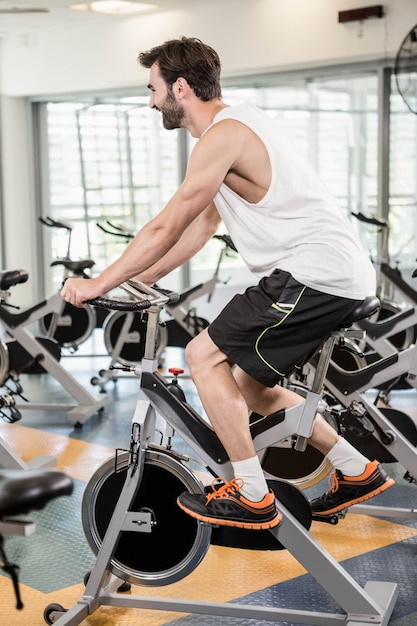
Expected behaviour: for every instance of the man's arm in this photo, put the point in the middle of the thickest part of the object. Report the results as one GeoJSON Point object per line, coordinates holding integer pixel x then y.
{"type": "Point", "coordinates": [212, 158]}
{"type": "Point", "coordinates": [191, 241]}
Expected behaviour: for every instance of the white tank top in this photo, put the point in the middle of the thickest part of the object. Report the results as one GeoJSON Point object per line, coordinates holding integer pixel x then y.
{"type": "Point", "coordinates": [298, 226]}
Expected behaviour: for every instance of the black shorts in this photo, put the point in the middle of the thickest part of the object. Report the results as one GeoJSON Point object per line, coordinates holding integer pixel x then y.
{"type": "Point", "coordinates": [275, 327]}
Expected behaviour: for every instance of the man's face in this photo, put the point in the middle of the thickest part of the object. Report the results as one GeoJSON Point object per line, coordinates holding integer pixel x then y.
{"type": "Point", "coordinates": [163, 99]}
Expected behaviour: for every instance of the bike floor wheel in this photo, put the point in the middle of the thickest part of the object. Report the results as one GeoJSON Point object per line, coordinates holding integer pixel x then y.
{"type": "Point", "coordinates": [303, 469]}
{"type": "Point", "coordinates": [177, 542]}
{"type": "Point", "coordinates": [73, 327]}
{"type": "Point", "coordinates": [133, 327]}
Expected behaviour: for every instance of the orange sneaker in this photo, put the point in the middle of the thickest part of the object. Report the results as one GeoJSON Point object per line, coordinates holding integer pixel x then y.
{"type": "Point", "coordinates": [348, 490]}
{"type": "Point", "coordinates": [225, 506]}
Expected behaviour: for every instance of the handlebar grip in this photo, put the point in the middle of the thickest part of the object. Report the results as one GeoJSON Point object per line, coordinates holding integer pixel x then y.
{"type": "Point", "coordinates": [119, 232]}
{"type": "Point", "coordinates": [134, 305]}
{"type": "Point", "coordinates": [172, 296]}
{"type": "Point", "coordinates": [376, 221]}
{"type": "Point", "coordinates": [119, 305]}
{"type": "Point", "coordinates": [48, 221]}
{"type": "Point", "coordinates": [227, 240]}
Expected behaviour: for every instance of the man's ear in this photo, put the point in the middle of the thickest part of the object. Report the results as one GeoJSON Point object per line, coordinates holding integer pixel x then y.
{"type": "Point", "coordinates": [181, 87]}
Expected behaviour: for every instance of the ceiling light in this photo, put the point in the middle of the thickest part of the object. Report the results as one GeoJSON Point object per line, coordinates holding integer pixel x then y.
{"type": "Point", "coordinates": [114, 6]}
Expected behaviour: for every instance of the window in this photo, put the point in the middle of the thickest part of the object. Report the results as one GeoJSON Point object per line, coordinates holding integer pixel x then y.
{"type": "Point", "coordinates": [403, 184]}
{"type": "Point", "coordinates": [111, 159]}
{"type": "Point", "coordinates": [109, 162]}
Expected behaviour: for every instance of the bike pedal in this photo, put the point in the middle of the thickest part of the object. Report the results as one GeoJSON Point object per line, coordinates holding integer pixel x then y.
{"type": "Point", "coordinates": [409, 478]}
{"type": "Point", "coordinates": [209, 524]}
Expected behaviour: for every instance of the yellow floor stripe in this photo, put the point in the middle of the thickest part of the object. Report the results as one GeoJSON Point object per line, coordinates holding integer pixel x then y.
{"type": "Point", "coordinates": [78, 458]}
{"type": "Point", "coordinates": [224, 574]}
{"type": "Point", "coordinates": [358, 534]}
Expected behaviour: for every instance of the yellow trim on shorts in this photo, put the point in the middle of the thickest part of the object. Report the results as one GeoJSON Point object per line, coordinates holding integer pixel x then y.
{"type": "Point", "coordinates": [287, 313]}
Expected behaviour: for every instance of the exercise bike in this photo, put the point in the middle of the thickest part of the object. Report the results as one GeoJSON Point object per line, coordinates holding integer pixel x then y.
{"type": "Point", "coordinates": [131, 519]}
{"type": "Point", "coordinates": [20, 493]}
{"type": "Point", "coordinates": [21, 352]}
{"type": "Point", "coordinates": [391, 286]}
{"type": "Point", "coordinates": [124, 332]}
{"type": "Point", "coordinates": [13, 357]}
{"type": "Point", "coordinates": [70, 326]}
{"type": "Point", "coordinates": [380, 432]}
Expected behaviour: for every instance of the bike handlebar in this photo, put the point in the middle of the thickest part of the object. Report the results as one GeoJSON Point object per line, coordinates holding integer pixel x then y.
{"type": "Point", "coordinates": [48, 221]}
{"type": "Point", "coordinates": [375, 221]}
{"type": "Point", "coordinates": [120, 305]}
{"type": "Point", "coordinates": [144, 297]}
{"type": "Point", "coordinates": [118, 231]}
{"type": "Point", "coordinates": [227, 240]}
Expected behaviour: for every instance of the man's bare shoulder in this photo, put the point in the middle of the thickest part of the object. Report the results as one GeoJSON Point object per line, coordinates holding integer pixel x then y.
{"type": "Point", "coordinates": [228, 135]}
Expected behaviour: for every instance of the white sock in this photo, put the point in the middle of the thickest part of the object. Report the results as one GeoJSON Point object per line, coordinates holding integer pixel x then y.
{"type": "Point", "coordinates": [254, 484]}
{"type": "Point", "coordinates": [344, 457]}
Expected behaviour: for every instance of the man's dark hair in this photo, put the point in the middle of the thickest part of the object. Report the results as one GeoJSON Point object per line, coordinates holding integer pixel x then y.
{"type": "Point", "coordinates": [188, 58]}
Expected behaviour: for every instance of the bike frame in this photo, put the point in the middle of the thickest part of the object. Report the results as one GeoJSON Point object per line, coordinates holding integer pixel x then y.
{"type": "Point", "coordinates": [350, 388]}
{"type": "Point", "coordinates": [181, 313]}
{"type": "Point", "coordinates": [63, 318]}
{"type": "Point", "coordinates": [373, 604]}
{"type": "Point", "coordinates": [15, 327]}
{"type": "Point", "coordinates": [378, 333]}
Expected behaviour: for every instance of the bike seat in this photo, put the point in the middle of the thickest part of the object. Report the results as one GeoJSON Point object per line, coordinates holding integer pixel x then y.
{"type": "Point", "coordinates": [15, 319]}
{"type": "Point", "coordinates": [367, 307]}
{"type": "Point", "coordinates": [24, 490]}
{"type": "Point", "coordinates": [8, 278]}
{"type": "Point", "coordinates": [380, 328]}
{"type": "Point", "coordinates": [76, 267]}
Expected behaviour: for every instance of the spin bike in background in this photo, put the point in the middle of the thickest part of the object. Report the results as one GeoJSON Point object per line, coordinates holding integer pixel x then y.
{"type": "Point", "coordinates": [380, 432]}
{"type": "Point", "coordinates": [398, 298]}
{"type": "Point", "coordinates": [22, 352]}
{"type": "Point", "coordinates": [118, 230]}
{"type": "Point", "coordinates": [382, 339]}
{"type": "Point", "coordinates": [124, 332]}
{"type": "Point", "coordinates": [140, 535]}
{"type": "Point", "coordinates": [394, 327]}
{"type": "Point", "coordinates": [14, 359]}
{"type": "Point", "coordinates": [69, 326]}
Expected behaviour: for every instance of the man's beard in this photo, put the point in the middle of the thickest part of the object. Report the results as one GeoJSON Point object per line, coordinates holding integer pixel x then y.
{"type": "Point", "coordinates": [172, 112]}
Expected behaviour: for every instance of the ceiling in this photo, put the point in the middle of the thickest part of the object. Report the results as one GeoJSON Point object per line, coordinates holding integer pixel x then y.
{"type": "Point", "coordinates": [29, 16]}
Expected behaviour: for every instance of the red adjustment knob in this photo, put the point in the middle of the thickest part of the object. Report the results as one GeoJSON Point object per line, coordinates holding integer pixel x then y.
{"type": "Point", "coordinates": [176, 371]}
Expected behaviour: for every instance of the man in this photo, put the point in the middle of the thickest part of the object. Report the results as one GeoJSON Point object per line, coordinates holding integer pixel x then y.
{"type": "Point", "coordinates": [292, 236]}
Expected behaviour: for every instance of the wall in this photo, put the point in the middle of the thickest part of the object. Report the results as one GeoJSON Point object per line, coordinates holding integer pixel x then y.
{"type": "Point", "coordinates": [18, 201]}
{"type": "Point", "coordinates": [251, 36]}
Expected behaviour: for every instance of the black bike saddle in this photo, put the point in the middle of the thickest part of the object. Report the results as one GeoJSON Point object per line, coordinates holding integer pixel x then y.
{"type": "Point", "coordinates": [24, 490]}
{"type": "Point", "coordinates": [76, 267]}
{"type": "Point", "coordinates": [8, 278]}
{"type": "Point", "coordinates": [367, 307]}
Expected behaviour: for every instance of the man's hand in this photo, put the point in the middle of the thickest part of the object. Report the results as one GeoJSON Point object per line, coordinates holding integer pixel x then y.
{"type": "Point", "coordinates": [77, 290]}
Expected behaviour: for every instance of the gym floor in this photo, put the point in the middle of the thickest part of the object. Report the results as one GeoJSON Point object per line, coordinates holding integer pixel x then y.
{"type": "Point", "coordinates": [54, 560]}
